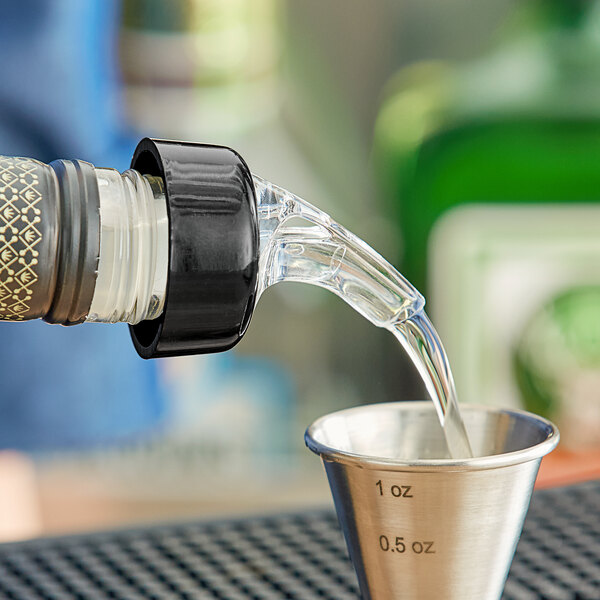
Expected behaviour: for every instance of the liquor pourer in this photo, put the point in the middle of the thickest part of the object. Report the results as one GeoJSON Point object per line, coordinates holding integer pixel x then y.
{"type": "Point", "coordinates": [170, 246]}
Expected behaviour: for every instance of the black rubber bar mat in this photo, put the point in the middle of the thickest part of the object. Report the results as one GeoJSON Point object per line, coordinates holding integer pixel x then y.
{"type": "Point", "coordinates": [293, 556]}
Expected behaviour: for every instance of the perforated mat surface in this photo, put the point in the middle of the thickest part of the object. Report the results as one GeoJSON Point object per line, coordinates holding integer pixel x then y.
{"type": "Point", "coordinates": [298, 556]}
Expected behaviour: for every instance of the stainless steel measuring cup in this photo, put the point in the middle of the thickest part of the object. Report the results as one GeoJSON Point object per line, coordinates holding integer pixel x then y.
{"type": "Point", "coordinates": [420, 526]}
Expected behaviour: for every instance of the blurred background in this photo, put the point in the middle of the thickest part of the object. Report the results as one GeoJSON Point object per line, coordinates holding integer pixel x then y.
{"type": "Point", "coordinates": [461, 139]}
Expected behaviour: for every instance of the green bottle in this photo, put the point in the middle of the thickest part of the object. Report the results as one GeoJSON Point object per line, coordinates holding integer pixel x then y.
{"type": "Point", "coordinates": [491, 170]}
{"type": "Point", "coordinates": [519, 125]}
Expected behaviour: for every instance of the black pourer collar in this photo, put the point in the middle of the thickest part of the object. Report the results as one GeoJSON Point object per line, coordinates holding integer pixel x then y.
{"type": "Point", "coordinates": [213, 248]}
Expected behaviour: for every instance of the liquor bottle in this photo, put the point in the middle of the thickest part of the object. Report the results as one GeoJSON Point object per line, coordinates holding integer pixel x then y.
{"type": "Point", "coordinates": [518, 125]}
{"type": "Point", "coordinates": [169, 246]}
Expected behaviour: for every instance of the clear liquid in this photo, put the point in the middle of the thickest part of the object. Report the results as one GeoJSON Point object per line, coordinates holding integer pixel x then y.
{"type": "Point", "coordinates": [327, 255]}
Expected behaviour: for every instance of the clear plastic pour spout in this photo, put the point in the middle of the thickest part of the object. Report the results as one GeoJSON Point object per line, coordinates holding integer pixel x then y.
{"type": "Point", "coordinates": [328, 255]}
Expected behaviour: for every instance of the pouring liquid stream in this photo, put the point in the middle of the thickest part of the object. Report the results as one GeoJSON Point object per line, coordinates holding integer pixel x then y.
{"type": "Point", "coordinates": [327, 255]}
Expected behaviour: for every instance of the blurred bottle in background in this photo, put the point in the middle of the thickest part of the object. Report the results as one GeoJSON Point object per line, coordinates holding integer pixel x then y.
{"type": "Point", "coordinates": [66, 389]}
{"type": "Point", "coordinates": [59, 98]}
{"type": "Point", "coordinates": [490, 168]}
{"type": "Point", "coordinates": [200, 69]}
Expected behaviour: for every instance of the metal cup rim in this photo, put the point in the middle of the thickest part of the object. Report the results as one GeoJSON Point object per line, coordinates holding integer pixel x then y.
{"type": "Point", "coordinates": [535, 452]}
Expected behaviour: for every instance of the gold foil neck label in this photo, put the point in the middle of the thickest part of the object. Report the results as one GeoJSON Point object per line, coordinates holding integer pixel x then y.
{"type": "Point", "coordinates": [20, 216]}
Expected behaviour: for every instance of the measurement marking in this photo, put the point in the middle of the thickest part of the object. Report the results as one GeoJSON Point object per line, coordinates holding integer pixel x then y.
{"type": "Point", "coordinates": [398, 491]}
{"type": "Point", "coordinates": [401, 546]}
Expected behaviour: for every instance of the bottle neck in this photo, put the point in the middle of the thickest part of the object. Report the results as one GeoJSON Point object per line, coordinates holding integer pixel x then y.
{"type": "Point", "coordinates": [133, 257]}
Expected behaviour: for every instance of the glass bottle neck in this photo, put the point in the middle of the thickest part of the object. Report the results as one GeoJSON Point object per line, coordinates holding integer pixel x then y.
{"type": "Point", "coordinates": [134, 248]}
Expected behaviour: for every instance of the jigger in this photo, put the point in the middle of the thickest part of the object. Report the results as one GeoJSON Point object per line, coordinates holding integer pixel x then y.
{"type": "Point", "coordinates": [419, 525]}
